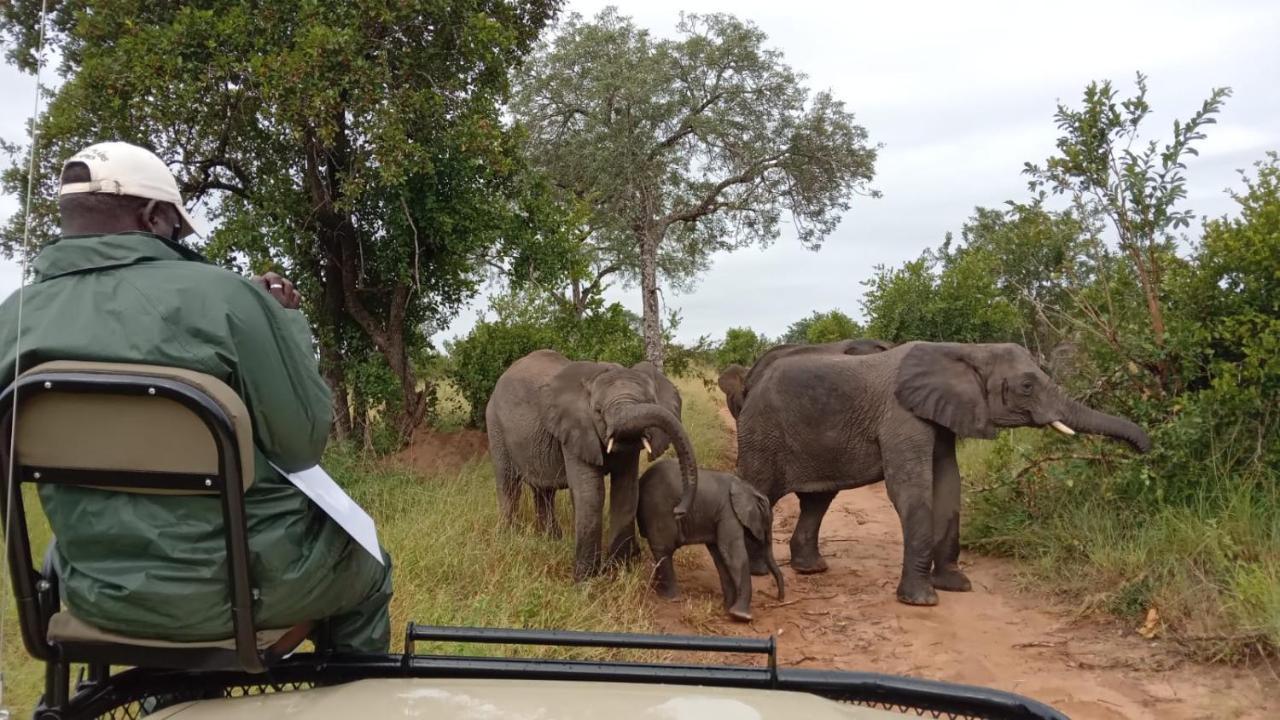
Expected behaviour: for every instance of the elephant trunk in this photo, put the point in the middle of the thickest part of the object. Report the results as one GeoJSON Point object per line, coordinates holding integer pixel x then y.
{"type": "Point", "coordinates": [1081, 418]}
{"type": "Point", "coordinates": [637, 418]}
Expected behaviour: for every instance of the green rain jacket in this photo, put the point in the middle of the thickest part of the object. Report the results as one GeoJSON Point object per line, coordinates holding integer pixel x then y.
{"type": "Point", "coordinates": [154, 565]}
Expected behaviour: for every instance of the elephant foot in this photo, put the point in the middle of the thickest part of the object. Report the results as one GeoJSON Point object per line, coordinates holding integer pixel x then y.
{"type": "Point", "coordinates": [809, 566]}
{"type": "Point", "coordinates": [759, 566]}
{"type": "Point", "coordinates": [917, 593]}
{"type": "Point", "coordinates": [951, 580]}
{"type": "Point", "coordinates": [740, 615]}
{"type": "Point", "coordinates": [671, 594]}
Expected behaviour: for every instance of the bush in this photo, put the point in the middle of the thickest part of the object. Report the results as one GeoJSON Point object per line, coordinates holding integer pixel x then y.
{"type": "Point", "coordinates": [821, 327]}
{"type": "Point", "coordinates": [1193, 528]}
{"type": "Point", "coordinates": [524, 324]}
{"type": "Point", "coordinates": [741, 346]}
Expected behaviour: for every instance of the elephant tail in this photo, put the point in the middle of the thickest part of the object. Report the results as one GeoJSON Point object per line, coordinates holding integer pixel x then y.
{"type": "Point", "coordinates": [774, 569]}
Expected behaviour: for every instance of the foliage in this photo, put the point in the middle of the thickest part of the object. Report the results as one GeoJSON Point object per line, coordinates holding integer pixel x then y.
{"type": "Point", "coordinates": [525, 322]}
{"type": "Point", "coordinates": [671, 150]}
{"type": "Point", "coordinates": [821, 327]}
{"type": "Point", "coordinates": [944, 296]}
{"type": "Point", "coordinates": [1137, 192]}
{"type": "Point", "coordinates": [1184, 344]}
{"type": "Point", "coordinates": [355, 146]}
{"type": "Point", "coordinates": [742, 346]}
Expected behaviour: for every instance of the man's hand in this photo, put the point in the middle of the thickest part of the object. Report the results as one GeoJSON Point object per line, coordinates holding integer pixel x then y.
{"type": "Point", "coordinates": [280, 289]}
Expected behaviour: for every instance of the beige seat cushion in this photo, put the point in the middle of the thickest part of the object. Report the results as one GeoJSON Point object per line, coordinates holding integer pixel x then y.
{"type": "Point", "coordinates": [135, 433]}
{"type": "Point", "coordinates": [67, 628]}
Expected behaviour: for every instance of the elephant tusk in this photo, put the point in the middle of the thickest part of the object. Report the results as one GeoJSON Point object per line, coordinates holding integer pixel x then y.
{"type": "Point", "coordinates": [609, 447]}
{"type": "Point", "coordinates": [1062, 427]}
{"type": "Point", "coordinates": [648, 448]}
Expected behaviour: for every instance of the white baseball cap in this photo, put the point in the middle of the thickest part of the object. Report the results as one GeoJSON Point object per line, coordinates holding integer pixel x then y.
{"type": "Point", "coordinates": [119, 168]}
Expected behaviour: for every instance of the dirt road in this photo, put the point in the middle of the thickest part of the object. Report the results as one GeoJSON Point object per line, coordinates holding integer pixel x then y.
{"type": "Point", "coordinates": [996, 636]}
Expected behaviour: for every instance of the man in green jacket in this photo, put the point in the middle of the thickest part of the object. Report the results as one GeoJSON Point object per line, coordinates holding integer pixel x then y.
{"type": "Point", "coordinates": [119, 287]}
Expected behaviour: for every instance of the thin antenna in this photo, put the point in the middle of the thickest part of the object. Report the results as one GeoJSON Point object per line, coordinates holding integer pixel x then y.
{"type": "Point", "coordinates": [17, 341]}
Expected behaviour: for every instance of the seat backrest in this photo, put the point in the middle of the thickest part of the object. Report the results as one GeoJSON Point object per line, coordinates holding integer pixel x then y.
{"type": "Point", "coordinates": [131, 428]}
{"type": "Point", "coordinates": [128, 433]}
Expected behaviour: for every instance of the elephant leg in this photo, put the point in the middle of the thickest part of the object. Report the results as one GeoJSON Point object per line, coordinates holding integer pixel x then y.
{"type": "Point", "coordinates": [728, 589]}
{"type": "Point", "coordinates": [508, 482]}
{"type": "Point", "coordinates": [805, 558]}
{"type": "Point", "coordinates": [624, 494]}
{"type": "Point", "coordinates": [544, 508]}
{"type": "Point", "coordinates": [908, 477]}
{"type": "Point", "coordinates": [946, 517]}
{"type": "Point", "coordinates": [731, 546]}
{"type": "Point", "coordinates": [664, 572]}
{"type": "Point", "coordinates": [586, 487]}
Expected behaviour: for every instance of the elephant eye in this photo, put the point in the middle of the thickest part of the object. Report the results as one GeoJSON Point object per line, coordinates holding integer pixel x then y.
{"type": "Point", "coordinates": [1027, 387]}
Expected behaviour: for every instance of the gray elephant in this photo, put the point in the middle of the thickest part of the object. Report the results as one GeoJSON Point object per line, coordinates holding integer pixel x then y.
{"type": "Point", "coordinates": [736, 381]}
{"type": "Point", "coordinates": [818, 424]}
{"type": "Point", "coordinates": [554, 423]}
{"type": "Point", "coordinates": [729, 517]}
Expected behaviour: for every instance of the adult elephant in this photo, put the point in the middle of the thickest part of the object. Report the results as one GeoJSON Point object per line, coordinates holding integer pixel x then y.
{"type": "Point", "coordinates": [818, 424]}
{"type": "Point", "coordinates": [554, 423]}
{"type": "Point", "coordinates": [737, 380]}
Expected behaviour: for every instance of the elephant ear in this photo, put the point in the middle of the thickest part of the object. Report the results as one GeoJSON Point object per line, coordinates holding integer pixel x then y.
{"type": "Point", "coordinates": [733, 382]}
{"type": "Point", "coordinates": [752, 509]}
{"type": "Point", "coordinates": [568, 414]}
{"type": "Point", "coordinates": [668, 398]}
{"type": "Point", "coordinates": [941, 382]}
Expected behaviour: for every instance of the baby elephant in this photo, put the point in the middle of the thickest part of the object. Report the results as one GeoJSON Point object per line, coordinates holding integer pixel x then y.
{"type": "Point", "coordinates": [727, 515]}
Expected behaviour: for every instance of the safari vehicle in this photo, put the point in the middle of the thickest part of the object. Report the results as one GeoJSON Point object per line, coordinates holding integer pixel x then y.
{"type": "Point", "coordinates": [133, 428]}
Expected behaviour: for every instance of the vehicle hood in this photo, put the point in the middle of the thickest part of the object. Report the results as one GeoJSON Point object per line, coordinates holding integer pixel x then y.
{"type": "Point", "coordinates": [478, 699]}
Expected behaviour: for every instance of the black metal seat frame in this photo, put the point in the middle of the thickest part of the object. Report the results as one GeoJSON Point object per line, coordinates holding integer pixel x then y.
{"type": "Point", "coordinates": [36, 592]}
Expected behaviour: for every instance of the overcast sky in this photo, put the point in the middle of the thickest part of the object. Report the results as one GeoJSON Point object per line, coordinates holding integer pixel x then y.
{"type": "Point", "coordinates": [960, 95]}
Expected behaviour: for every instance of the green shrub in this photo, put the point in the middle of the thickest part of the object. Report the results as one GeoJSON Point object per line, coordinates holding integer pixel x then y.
{"type": "Point", "coordinates": [524, 324]}
{"type": "Point", "coordinates": [741, 346]}
{"type": "Point", "coordinates": [821, 327]}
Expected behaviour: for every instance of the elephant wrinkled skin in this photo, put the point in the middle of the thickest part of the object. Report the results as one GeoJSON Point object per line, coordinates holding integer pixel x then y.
{"type": "Point", "coordinates": [818, 424]}
{"type": "Point", "coordinates": [729, 517]}
{"type": "Point", "coordinates": [736, 381]}
{"type": "Point", "coordinates": [554, 423]}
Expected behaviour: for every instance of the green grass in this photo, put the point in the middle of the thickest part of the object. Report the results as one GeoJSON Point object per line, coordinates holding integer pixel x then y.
{"type": "Point", "coordinates": [453, 563]}
{"type": "Point", "coordinates": [1210, 567]}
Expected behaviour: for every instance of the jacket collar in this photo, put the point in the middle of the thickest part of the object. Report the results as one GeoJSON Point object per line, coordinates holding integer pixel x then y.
{"type": "Point", "coordinates": [86, 253]}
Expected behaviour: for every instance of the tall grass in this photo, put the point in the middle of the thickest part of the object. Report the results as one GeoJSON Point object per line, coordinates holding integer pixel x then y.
{"type": "Point", "coordinates": [453, 563]}
{"type": "Point", "coordinates": [1209, 567]}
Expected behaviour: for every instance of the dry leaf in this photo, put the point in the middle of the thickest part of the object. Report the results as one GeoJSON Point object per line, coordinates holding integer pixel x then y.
{"type": "Point", "coordinates": [1151, 627]}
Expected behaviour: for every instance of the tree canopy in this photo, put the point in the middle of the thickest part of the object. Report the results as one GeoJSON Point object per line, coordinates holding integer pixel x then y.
{"type": "Point", "coordinates": [821, 327]}
{"type": "Point", "coordinates": [672, 149]}
{"type": "Point", "coordinates": [356, 146]}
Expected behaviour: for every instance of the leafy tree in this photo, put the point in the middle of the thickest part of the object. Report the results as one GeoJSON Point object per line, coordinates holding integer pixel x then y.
{"type": "Point", "coordinates": [356, 146]}
{"type": "Point", "coordinates": [674, 149]}
{"type": "Point", "coordinates": [948, 296]}
{"type": "Point", "coordinates": [742, 346]}
{"type": "Point", "coordinates": [831, 326]}
{"type": "Point", "coordinates": [822, 327]}
{"type": "Point", "coordinates": [1231, 295]}
{"type": "Point", "coordinates": [1136, 192]}
{"type": "Point", "coordinates": [1032, 251]}
{"type": "Point", "coordinates": [529, 321]}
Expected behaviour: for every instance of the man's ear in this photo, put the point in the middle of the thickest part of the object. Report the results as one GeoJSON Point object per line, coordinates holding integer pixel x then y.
{"type": "Point", "coordinates": [160, 218]}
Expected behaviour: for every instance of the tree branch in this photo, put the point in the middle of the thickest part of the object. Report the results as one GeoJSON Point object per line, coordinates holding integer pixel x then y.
{"type": "Point", "coordinates": [710, 201]}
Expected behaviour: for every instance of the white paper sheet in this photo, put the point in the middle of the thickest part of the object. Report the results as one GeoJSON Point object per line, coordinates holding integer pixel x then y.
{"type": "Point", "coordinates": [316, 484]}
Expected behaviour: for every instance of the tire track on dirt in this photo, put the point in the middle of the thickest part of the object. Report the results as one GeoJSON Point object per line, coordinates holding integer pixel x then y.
{"type": "Point", "coordinates": [996, 636]}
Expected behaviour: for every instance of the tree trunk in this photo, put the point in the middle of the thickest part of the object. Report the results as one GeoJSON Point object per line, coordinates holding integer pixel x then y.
{"type": "Point", "coordinates": [649, 241]}
{"type": "Point", "coordinates": [331, 320]}
{"type": "Point", "coordinates": [579, 302]}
